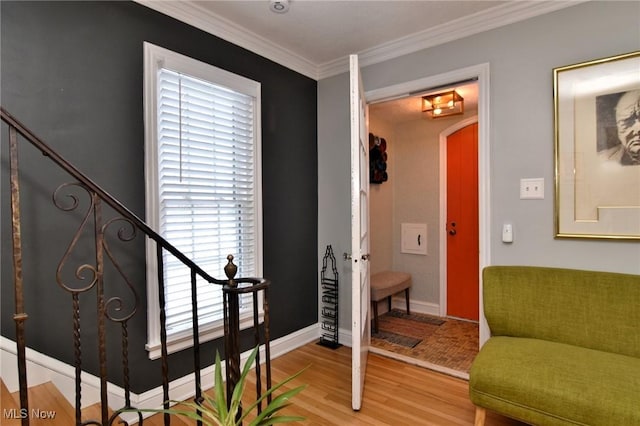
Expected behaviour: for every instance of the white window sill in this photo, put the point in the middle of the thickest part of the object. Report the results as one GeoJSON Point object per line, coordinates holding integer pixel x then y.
{"type": "Point", "coordinates": [184, 339]}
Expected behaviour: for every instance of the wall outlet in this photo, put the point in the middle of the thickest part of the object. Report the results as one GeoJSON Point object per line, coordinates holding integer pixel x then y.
{"type": "Point", "coordinates": [532, 189]}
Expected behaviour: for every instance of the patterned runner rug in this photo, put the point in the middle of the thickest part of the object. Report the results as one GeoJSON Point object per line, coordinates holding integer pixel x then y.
{"type": "Point", "coordinates": [413, 317]}
{"type": "Point", "coordinates": [452, 344]}
{"type": "Point", "coordinates": [396, 339]}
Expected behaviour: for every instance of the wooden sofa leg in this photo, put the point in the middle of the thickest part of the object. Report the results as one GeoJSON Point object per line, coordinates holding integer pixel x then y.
{"type": "Point", "coordinates": [481, 414]}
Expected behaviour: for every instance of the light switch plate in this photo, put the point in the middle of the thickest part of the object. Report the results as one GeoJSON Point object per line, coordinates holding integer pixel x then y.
{"type": "Point", "coordinates": [507, 233]}
{"type": "Point", "coordinates": [532, 189]}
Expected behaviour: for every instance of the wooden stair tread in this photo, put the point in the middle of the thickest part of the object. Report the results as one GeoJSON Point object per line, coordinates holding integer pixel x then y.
{"type": "Point", "coordinates": [8, 404]}
{"type": "Point", "coordinates": [47, 406]}
{"type": "Point", "coordinates": [94, 412]}
{"type": "Point", "coordinates": [45, 400]}
{"type": "Point", "coordinates": [158, 419]}
{"type": "Point", "coordinates": [6, 399]}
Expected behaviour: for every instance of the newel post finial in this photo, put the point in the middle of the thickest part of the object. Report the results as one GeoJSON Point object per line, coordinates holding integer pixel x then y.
{"type": "Point", "coordinates": [230, 270]}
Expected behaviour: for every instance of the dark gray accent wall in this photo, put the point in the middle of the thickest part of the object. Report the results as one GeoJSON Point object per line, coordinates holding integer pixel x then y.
{"type": "Point", "coordinates": [73, 73]}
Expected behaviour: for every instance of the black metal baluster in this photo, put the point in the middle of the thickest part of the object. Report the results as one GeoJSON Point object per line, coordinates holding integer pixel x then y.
{"type": "Point", "coordinates": [125, 364]}
{"type": "Point", "coordinates": [196, 343]}
{"type": "Point", "coordinates": [115, 312]}
{"type": "Point", "coordinates": [232, 327]}
{"type": "Point", "coordinates": [102, 339]}
{"type": "Point", "coordinates": [20, 316]}
{"type": "Point", "coordinates": [267, 339]}
{"type": "Point", "coordinates": [256, 334]}
{"type": "Point", "coordinates": [163, 335]}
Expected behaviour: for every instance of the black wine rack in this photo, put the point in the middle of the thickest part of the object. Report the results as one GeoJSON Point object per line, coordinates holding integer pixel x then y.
{"type": "Point", "coordinates": [329, 312]}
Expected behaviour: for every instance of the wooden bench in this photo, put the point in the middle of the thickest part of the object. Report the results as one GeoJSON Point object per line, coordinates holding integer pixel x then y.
{"type": "Point", "coordinates": [384, 285]}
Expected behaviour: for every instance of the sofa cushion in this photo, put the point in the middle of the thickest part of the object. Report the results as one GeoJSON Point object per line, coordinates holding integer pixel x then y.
{"type": "Point", "coordinates": [597, 310]}
{"type": "Point", "coordinates": [548, 383]}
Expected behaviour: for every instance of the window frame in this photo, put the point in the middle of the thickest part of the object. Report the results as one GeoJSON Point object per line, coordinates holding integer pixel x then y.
{"type": "Point", "coordinates": [156, 58]}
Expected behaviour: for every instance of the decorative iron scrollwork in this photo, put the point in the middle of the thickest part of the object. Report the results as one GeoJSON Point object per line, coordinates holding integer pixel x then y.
{"type": "Point", "coordinates": [82, 269]}
{"type": "Point", "coordinates": [126, 232]}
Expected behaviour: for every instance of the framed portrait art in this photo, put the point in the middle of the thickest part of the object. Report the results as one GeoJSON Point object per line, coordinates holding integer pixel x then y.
{"type": "Point", "coordinates": [597, 148]}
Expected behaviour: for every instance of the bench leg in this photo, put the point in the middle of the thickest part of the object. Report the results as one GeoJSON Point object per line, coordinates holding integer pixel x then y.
{"type": "Point", "coordinates": [375, 317]}
{"type": "Point", "coordinates": [389, 303]}
{"type": "Point", "coordinates": [481, 414]}
{"type": "Point", "coordinates": [406, 295]}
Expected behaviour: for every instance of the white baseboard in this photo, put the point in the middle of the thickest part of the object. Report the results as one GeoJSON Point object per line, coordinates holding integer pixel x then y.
{"type": "Point", "coordinates": [42, 368]}
{"type": "Point", "coordinates": [344, 336]}
{"type": "Point", "coordinates": [416, 306]}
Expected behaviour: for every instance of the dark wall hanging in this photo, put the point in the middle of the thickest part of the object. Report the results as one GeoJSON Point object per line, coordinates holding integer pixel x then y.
{"type": "Point", "coordinates": [377, 159]}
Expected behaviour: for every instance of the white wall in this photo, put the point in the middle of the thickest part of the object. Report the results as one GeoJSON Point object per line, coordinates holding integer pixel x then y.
{"type": "Point", "coordinates": [521, 57]}
{"type": "Point", "coordinates": [334, 188]}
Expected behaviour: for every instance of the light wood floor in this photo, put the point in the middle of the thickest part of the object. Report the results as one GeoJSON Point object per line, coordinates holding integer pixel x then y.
{"type": "Point", "coordinates": [396, 393]}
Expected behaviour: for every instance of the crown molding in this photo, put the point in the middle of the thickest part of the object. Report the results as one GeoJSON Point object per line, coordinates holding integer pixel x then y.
{"type": "Point", "coordinates": [509, 13]}
{"type": "Point", "coordinates": [201, 18]}
{"type": "Point", "coordinates": [476, 23]}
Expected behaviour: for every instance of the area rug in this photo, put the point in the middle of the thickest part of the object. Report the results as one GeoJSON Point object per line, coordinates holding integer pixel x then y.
{"type": "Point", "coordinates": [413, 317]}
{"type": "Point", "coordinates": [396, 339]}
{"type": "Point", "coordinates": [452, 345]}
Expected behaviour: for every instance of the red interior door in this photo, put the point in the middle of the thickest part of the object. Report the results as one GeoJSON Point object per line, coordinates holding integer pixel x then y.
{"type": "Point", "coordinates": [462, 223]}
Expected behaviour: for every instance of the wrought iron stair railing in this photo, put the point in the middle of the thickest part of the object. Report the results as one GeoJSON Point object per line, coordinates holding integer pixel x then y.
{"type": "Point", "coordinates": [108, 309]}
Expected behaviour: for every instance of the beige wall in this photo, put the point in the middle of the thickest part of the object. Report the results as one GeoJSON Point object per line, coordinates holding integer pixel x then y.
{"type": "Point", "coordinates": [381, 201]}
{"type": "Point", "coordinates": [412, 195]}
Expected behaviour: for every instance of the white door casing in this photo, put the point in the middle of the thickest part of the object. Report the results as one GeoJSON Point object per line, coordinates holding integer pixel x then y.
{"type": "Point", "coordinates": [481, 72]}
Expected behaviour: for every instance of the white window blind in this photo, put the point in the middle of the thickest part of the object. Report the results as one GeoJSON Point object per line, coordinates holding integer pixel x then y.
{"type": "Point", "coordinates": [203, 186]}
{"type": "Point", "coordinates": [205, 171]}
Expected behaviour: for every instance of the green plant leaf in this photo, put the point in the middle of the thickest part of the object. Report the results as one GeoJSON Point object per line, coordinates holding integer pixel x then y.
{"type": "Point", "coordinates": [280, 402]}
{"type": "Point", "coordinates": [237, 393]}
{"type": "Point", "coordinates": [209, 410]}
{"type": "Point", "coordinates": [236, 398]}
{"type": "Point", "coordinates": [191, 414]}
{"type": "Point", "coordinates": [213, 410]}
{"type": "Point", "coordinates": [275, 388]}
{"type": "Point", "coordinates": [280, 419]}
{"type": "Point", "coordinates": [220, 402]}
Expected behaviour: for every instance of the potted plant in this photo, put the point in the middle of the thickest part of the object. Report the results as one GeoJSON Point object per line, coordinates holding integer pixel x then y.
{"type": "Point", "coordinates": [213, 410]}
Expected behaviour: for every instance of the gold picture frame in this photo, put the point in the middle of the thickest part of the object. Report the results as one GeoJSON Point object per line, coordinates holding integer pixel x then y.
{"type": "Point", "coordinates": [597, 148]}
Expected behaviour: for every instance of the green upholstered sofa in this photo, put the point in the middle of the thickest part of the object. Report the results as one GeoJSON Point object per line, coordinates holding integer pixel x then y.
{"type": "Point", "coordinates": [564, 347]}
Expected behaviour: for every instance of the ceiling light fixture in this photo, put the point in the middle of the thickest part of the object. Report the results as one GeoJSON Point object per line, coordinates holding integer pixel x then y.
{"type": "Point", "coordinates": [279, 6]}
{"type": "Point", "coordinates": [443, 104]}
